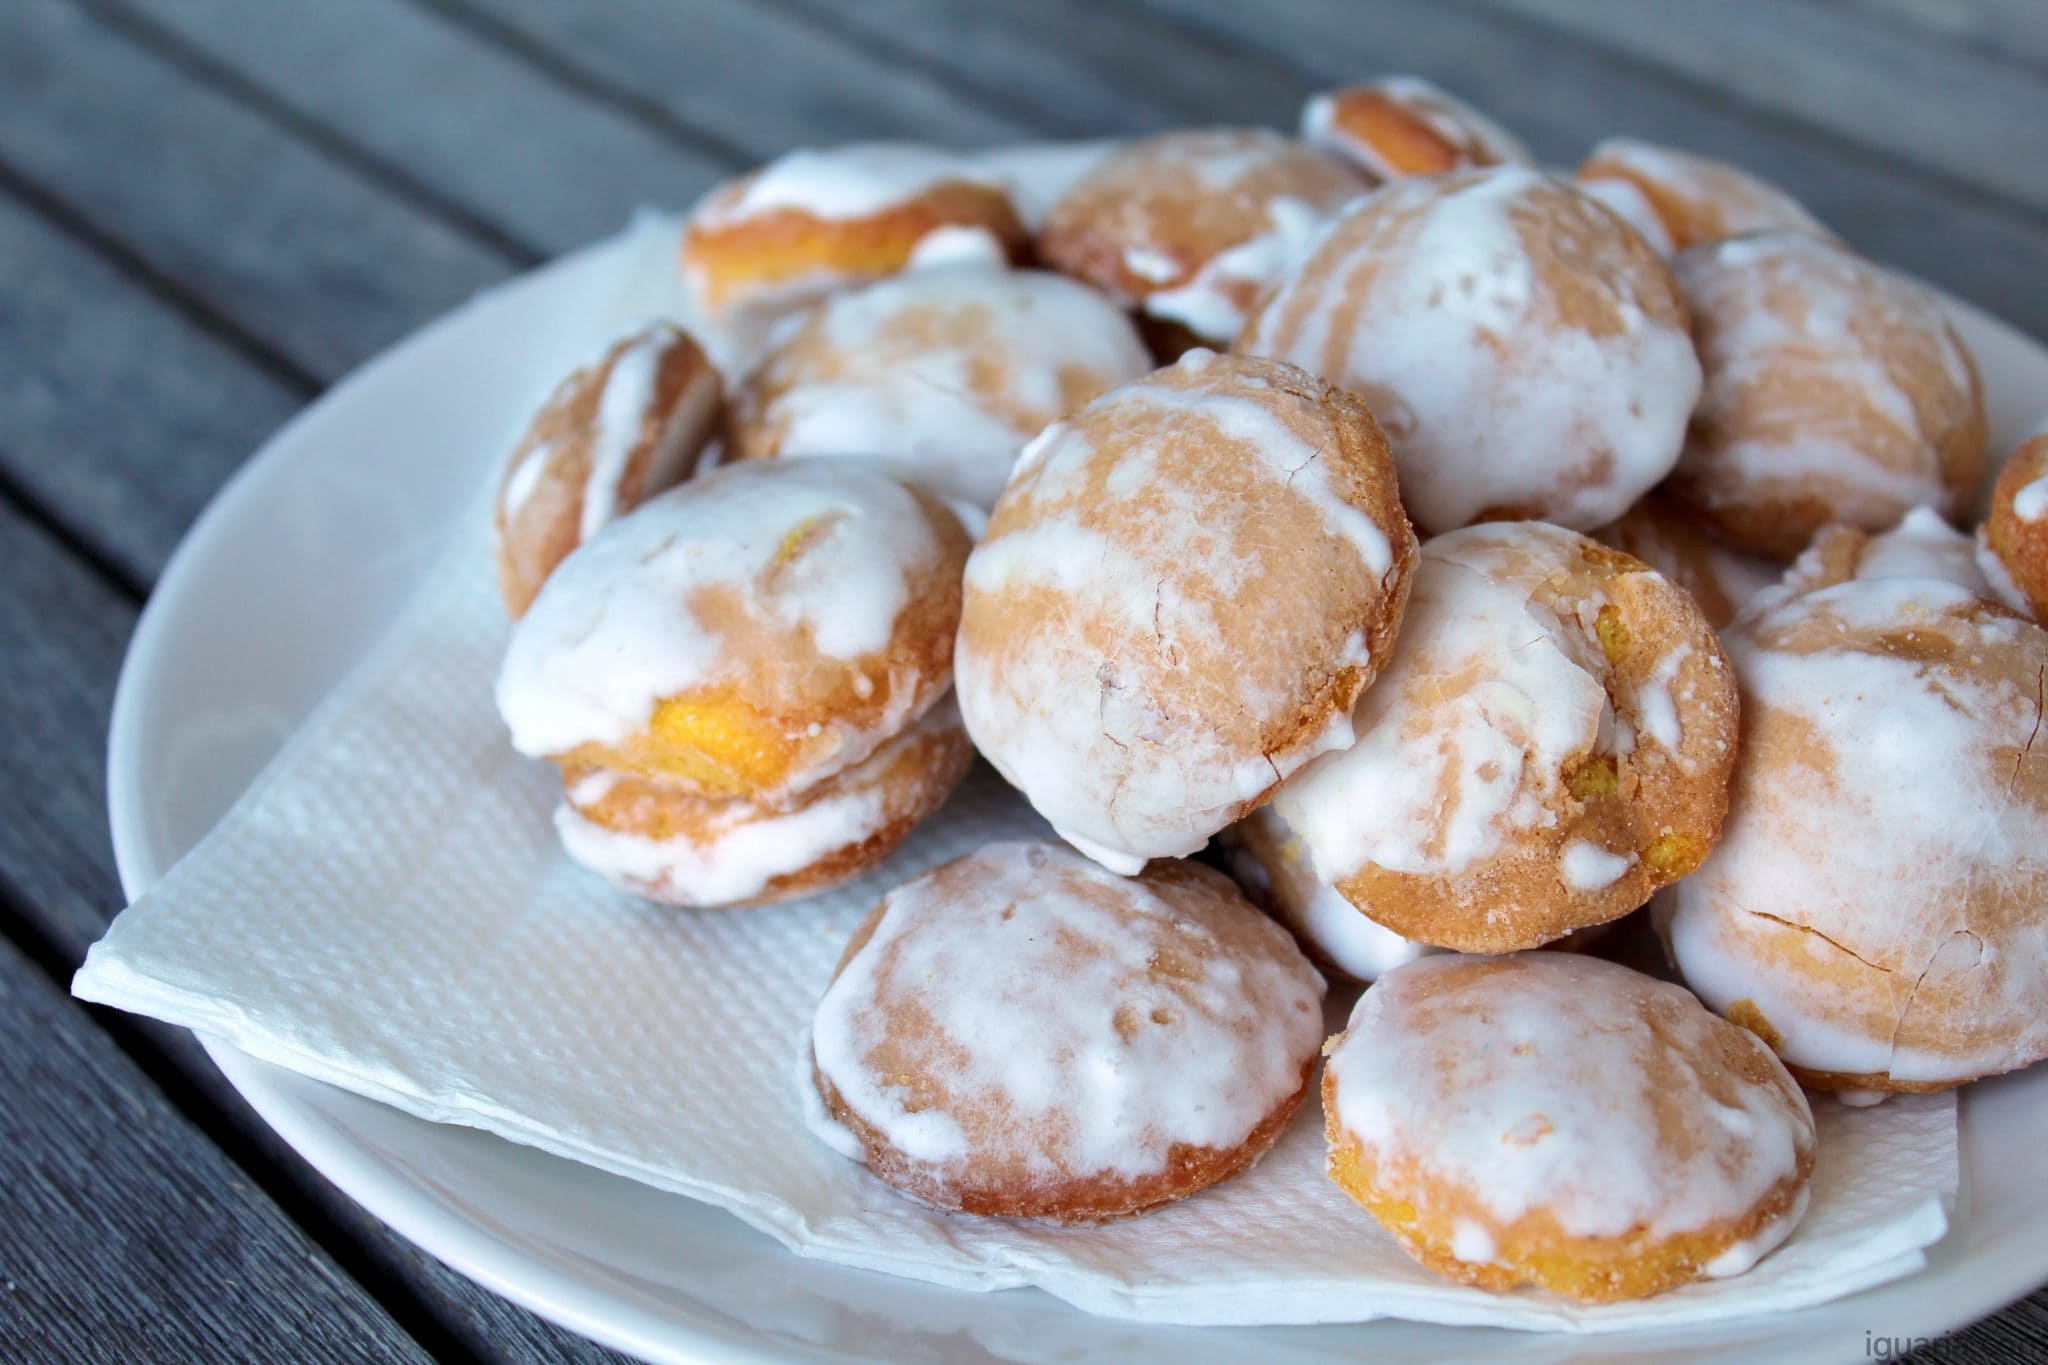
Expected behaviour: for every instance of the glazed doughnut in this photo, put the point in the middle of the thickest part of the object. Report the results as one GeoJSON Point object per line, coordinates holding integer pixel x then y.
{"type": "Point", "coordinates": [1272, 865]}
{"type": "Point", "coordinates": [747, 634]}
{"type": "Point", "coordinates": [1019, 1033]}
{"type": "Point", "coordinates": [1679, 199]}
{"type": "Point", "coordinates": [669, 845]}
{"type": "Point", "coordinates": [1190, 227]}
{"type": "Point", "coordinates": [1180, 596]}
{"type": "Point", "coordinates": [1554, 1120]}
{"type": "Point", "coordinates": [1549, 744]}
{"type": "Point", "coordinates": [1524, 351]}
{"type": "Point", "coordinates": [1875, 911]}
{"type": "Point", "coordinates": [945, 373]}
{"type": "Point", "coordinates": [1400, 126]}
{"type": "Point", "coordinates": [1719, 580]}
{"type": "Point", "coordinates": [1836, 390]}
{"type": "Point", "coordinates": [813, 221]}
{"type": "Point", "coordinates": [616, 431]}
{"type": "Point", "coordinates": [2012, 545]}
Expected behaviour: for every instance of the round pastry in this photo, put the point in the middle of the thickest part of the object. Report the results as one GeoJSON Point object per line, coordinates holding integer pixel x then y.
{"type": "Point", "coordinates": [2013, 542]}
{"type": "Point", "coordinates": [1190, 227]}
{"type": "Point", "coordinates": [745, 635]}
{"type": "Point", "coordinates": [1554, 1120]}
{"type": "Point", "coordinates": [1678, 199]}
{"type": "Point", "coordinates": [945, 373]}
{"type": "Point", "coordinates": [1719, 580]}
{"type": "Point", "coordinates": [1524, 351]}
{"type": "Point", "coordinates": [669, 845]}
{"type": "Point", "coordinates": [1836, 390]}
{"type": "Point", "coordinates": [1876, 910]}
{"type": "Point", "coordinates": [615, 432]}
{"type": "Point", "coordinates": [1922, 545]}
{"type": "Point", "coordinates": [1400, 126]}
{"type": "Point", "coordinates": [1271, 863]}
{"type": "Point", "coordinates": [813, 221]}
{"type": "Point", "coordinates": [1021, 1034]}
{"type": "Point", "coordinates": [1180, 596]}
{"type": "Point", "coordinates": [1550, 743]}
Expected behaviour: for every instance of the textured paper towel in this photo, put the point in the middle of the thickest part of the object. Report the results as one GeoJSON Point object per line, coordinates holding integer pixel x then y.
{"type": "Point", "coordinates": [387, 910]}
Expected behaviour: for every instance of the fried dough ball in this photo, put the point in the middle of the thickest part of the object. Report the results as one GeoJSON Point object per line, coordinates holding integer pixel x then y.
{"type": "Point", "coordinates": [1680, 199]}
{"type": "Point", "coordinates": [1400, 126]}
{"type": "Point", "coordinates": [2013, 542]}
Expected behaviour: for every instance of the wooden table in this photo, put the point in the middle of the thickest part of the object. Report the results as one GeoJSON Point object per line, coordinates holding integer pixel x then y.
{"type": "Point", "coordinates": [212, 209]}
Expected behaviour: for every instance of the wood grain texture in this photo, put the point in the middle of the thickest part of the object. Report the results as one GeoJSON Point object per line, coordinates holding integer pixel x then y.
{"type": "Point", "coordinates": [435, 103]}
{"type": "Point", "coordinates": [2014, 31]}
{"type": "Point", "coordinates": [129, 1236]}
{"type": "Point", "coordinates": [743, 78]}
{"type": "Point", "coordinates": [1956, 114]}
{"type": "Point", "coordinates": [1562, 98]}
{"type": "Point", "coordinates": [310, 257]}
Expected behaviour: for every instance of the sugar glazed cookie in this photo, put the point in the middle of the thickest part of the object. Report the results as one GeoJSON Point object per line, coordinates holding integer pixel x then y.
{"type": "Point", "coordinates": [2012, 545]}
{"type": "Point", "coordinates": [946, 373]}
{"type": "Point", "coordinates": [1190, 227]}
{"type": "Point", "coordinates": [1181, 595]}
{"type": "Point", "coordinates": [1922, 545]}
{"type": "Point", "coordinates": [1400, 126]}
{"type": "Point", "coordinates": [1525, 352]}
{"type": "Point", "coordinates": [666, 844]}
{"type": "Point", "coordinates": [615, 432]}
{"type": "Point", "coordinates": [813, 221]}
{"type": "Point", "coordinates": [1876, 908]}
{"type": "Point", "coordinates": [1019, 1033]}
{"type": "Point", "coordinates": [1554, 1120]}
{"type": "Point", "coordinates": [1836, 390]}
{"type": "Point", "coordinates": [706, 663]}
{"type": "Point", "coordinates": [1719, 580]}
{"type": "Point", "coordinates": [1550, 743]}
{"type": "Point", "coordinates": [1680, 199]}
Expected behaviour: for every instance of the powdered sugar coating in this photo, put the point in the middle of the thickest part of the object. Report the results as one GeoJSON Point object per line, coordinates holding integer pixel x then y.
{"type": "Point", "coordinates": [622, 624]}
{"type": "Point", "coordinates": [944, 372]}
{"type": "Point", "coordinates": [1107, 663]}
{"type": "Point", "coordinates": [1564, 1084]}
{"type": "Point", "coordinates": [1875, 905]}
{"type": "Point", "coordinates": [1525, 353]}
{"type": "Point", "coordinates": [1024, 1008]}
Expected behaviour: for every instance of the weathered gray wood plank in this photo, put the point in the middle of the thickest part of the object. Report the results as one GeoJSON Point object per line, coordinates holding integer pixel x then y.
{"type": "Point", "coordinates": [1075, 68]}
{"type": "Point", "coordinates": [1562, 98]}
{"type": "Point", "coordinates": [490, 132]}
{"type": "Point", "coordinates": [2007, 30]}
{"type": "Point", "coordinates": [307, 255]}
{"type": "Point", "coordinates": [128, 1236]}
{"type": "Point", "coordinates": [744, 78]}
{"type": "Point", "coordinates": [62, 631]}
{"type": "Point", "coordinates": [1955, 113]}
{"type": "Point", "coordinates": [118, 415]}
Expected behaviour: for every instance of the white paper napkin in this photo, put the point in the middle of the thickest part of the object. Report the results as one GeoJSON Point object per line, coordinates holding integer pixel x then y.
{"type": "Point", "coordinates": [387, 910]}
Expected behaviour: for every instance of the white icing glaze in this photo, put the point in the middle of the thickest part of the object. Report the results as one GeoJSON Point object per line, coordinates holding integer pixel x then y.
{"type": "Point", "coordinates": [1500, 744]}
{"type": "Point", "coordinates": [818, 1120]}
{"type": "Point", "coordinates": [1473, 1244]}
{"type": "Point", "coordinates": [1112, 773]}
{"type": "Point", "coordinates": [1022, 980]}
{"type": "Point", "coordinates": [630, 388]}
{"type": "Point", "coordinates": [1923, 545]}
{"type": "Point", "coordinates": [1211, 303]}
{"type": "Point", "coordinates": [2003, 587]}
{"type": "Point", "coordinates": [1317, 912]}
{"type": "Point", "coordinates": [1588, 867]}
{"type": "Point", "coordinates": [1038, 175]}
{"type": "Point", "coordinates": [1743, 202]}
{"type": "Point", "coordinates": [1746, 1253]}
{"type": "Point", "coordinates": [740, 853]}
{"type": "Point", "coordinates": [1528, 1083]}
{"type": "Point", "coordinates": [1486, 402]}
{"type": "Point", "coordinates": [1628, 201]}
{"type": "Point", "coordinates": [852, 181]}
{"type": "Point", "coordinates": [614, 631]}
{"type": "Point", "coordinates": [1449, 117]}
{"type": "Point", "coordinates": [2031, 502]}
{"type": "Point", "coordinates": [1886, 811]}
{"type": "Point", "coordinates": [949, 372]}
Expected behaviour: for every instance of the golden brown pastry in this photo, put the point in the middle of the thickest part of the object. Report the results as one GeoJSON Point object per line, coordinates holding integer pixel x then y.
{"type": "Point", "coordinates": [1181, 595]}
{"type": "Point", "coordinates": [1190, 227]}
{"type": "Point", "coordinates": [1525, 352]}
{"type": "Point", "coordinates": [2013, 542]}
{"type": "Point", "coordinates": [1679, 199]}
{"type": "Point", "coordinates": [1553, 1120]}
{"type": "Point", "coordinates": [1836, 390]}
{"type": "Point", "coordinates": [614, 433]}
{"type": "Point", "coordinates": [1549, 744]}
{"type": "Point", "coordinates": [1718, 579]}
{"type": "Point", "coordinates": [1400, 126]}
{"type": "Point", "coordinates": [1876, 908]}
{"type": "Point", "coordinates": [1022, 1034]}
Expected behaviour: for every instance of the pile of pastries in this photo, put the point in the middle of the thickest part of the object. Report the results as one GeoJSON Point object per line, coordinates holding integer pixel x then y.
{"type": "Point", "coordinates": [1380, 560]}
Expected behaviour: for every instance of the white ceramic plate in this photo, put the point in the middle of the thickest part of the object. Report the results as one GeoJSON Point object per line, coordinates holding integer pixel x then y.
{"type": "Point", "coordinates": [288, 578]}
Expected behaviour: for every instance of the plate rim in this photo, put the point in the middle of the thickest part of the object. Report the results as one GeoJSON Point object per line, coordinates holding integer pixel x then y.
{"type": "Point", "coordinates": [359, 1173]}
